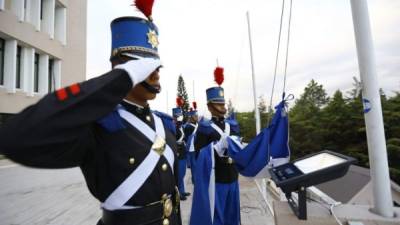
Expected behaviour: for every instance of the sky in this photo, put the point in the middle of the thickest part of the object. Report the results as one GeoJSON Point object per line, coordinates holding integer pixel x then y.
{"type": "Point", "coordinates": [194, 34]}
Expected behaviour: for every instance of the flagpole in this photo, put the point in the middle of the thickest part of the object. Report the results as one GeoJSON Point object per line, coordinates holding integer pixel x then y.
{"type": "Point", "coordinates": [379, 168]}
{"type": "Point", "coordinates": [256, 111]}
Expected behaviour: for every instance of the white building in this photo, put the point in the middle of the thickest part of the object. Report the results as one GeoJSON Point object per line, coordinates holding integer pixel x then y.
{"type": "Point", "coordinates": [42, 48]}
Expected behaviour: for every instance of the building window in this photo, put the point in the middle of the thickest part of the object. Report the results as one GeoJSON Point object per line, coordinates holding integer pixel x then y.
{"type": "Point", "coordinates": [52, 81]}
{"type": "Point", "coordinates": [18, 67]}
{"type": "Point", "coordinates": [41, 9]}
{"type": "Point", "coordinates": [2, 45]}
{"type": "Point", "coordinates": [36, 73]}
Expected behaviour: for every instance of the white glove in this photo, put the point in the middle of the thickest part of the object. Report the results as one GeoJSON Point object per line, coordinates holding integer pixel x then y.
{"type": "Point", "coordinates": [237, 140]}
{"type": "Point", "coordinates": [138, 70]}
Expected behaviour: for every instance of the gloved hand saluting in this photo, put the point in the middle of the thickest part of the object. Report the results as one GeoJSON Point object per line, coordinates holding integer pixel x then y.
{"type": "Point", "coordinates": [139, 69]}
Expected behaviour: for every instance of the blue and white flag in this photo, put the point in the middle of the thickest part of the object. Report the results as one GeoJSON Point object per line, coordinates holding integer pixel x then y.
{"type": "Point", "coordinates": [269, 147]}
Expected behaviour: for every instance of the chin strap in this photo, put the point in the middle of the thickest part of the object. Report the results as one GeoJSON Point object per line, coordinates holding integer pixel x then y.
{"type": "Point", "coordinates": [150, 88]}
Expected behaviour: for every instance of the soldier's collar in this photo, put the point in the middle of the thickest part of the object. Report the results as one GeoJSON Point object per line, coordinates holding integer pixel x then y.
{"type": "Point", "coordinates": [218, 119]}
{"type": "Point", "coordinates": [134, 104]}
{"type": "Point", "coordinates": [136, 108]}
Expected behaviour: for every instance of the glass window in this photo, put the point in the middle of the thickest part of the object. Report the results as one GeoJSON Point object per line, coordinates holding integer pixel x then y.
{"type": "Point", "coordinates": [51, 75]}
{"type": "Point", "coordinates": [41, 9]}
{"type": "Point", "coordinates": [36, 74]}
{"type": "Point", "coordinates": [2, 43]}
{"type": "Point", "coordinates": [18, 78]}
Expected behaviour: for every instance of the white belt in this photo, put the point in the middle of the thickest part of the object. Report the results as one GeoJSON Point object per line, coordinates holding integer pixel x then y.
{"type": "Point", "coordinates": [219, 130]}
{"type": "Point", "coordinates": [136, 179]}
{"type": "Point", "coordinates": [191, 146]}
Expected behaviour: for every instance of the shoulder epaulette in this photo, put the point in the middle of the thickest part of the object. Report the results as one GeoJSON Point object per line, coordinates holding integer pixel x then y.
{"type": "Point", "coordinates": [205, 127]}
{"type": "Point", "coordinates": [112, 122]}
{"type": "Point", "coordinates": [234, 125]}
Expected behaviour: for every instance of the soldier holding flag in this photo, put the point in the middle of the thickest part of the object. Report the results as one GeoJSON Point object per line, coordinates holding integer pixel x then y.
{"type": "Point", "coordinates": [221, 157]}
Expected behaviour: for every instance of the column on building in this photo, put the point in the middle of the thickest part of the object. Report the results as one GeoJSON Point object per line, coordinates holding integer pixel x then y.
{"type": "Point", "coordinates": [48, 11]}
{"type": "Point", "coordinates": [10, 65]}
{"type": "Point", "coordinates": [32, 13]}
{"type": "Point", "coordinates": [27, 70]}
{"type": "Point", "coordinates": [60, 24]}
{"type": "Point", "coordinates": [57, 73]}
{"type": "Point", "coordinates": [18, 7]}
{"type": "Point", "coordinates": [43, 74]}
{"type": "Point", "coordinates": [1, 5]}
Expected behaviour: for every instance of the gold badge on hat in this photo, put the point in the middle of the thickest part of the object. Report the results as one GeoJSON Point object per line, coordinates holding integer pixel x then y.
{"type": "Point", "coordinates": [152, 38]}
{"type": "Point", "coordinates": [221, 93]}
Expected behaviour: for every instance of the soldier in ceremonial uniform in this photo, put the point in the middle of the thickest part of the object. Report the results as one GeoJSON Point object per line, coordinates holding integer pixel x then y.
{"type": "Point", "coordinates": [181, 147]}
{"type": "Point", "coordinates": [126, 151]}
{"type": "Point", "coordinates": [190, 130]}
{"type": "Point", "coordinates": [221, 157]}
{"type": "Point", "coordinates": [224, 173]}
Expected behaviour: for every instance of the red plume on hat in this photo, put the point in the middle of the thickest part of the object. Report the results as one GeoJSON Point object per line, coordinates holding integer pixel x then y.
{"type": "Point", "coordinates": [219, 75]}
{"type": "Point", "coordinates": [145, 6]}
{"type": "Point", "coordinates": [194, 105]}
{"type": "Point", "coordinates": [179, 101]}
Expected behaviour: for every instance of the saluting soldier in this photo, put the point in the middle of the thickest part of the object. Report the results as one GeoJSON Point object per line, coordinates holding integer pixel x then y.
{"type": "Point", "coordinates": [126, 151]}
{"type": "Point", "coordinates": [181, 147]}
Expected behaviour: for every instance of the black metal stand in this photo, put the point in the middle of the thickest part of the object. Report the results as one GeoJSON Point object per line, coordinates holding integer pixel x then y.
{"type": "Point", "coordinates": [300, 208]}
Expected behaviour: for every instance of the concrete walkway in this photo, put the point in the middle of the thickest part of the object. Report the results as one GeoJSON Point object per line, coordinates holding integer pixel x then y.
{"type": "Point", "coordinates": [60, 197]}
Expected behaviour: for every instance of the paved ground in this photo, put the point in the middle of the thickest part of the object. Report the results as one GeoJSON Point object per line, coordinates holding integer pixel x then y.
{"type": "Point", "coordinates": [60, 197]}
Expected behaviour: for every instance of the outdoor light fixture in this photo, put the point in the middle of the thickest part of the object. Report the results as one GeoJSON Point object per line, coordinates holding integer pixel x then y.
{"type": "Point", "coordinates": [308, 171]}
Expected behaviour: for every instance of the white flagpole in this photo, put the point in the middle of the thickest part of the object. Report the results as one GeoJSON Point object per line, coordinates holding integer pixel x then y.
{"type": "Point", "coordinates": [256, 111]}
{"type": "Point", "coordinates": [379, 168]}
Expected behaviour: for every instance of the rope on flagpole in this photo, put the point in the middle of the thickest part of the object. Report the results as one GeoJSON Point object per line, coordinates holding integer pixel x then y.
{"type": "Point", "coordinates": [276, 62]}
{"type": "Point", "coordinates": [287, 50]}
{"type": "Point", "coordinates": [277, 57]}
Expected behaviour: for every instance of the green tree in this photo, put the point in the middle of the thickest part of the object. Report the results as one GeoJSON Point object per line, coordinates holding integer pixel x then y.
{"type": "Point", "coordinates": [247, 125]}
{"type": "Point", "coordinates": [335, 123]}
{"type": "Point", "coordinates": [182, 92]}
{"type": "Point", "coordinates": [393, 149]}
{"type": "Point", "coordinates": [391, 115]}
{"type": "Point", "coordinates": [305, 120]}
